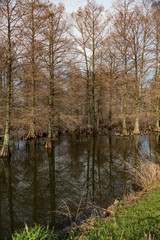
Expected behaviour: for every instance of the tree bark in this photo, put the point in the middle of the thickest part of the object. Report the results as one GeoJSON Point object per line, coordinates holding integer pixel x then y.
{"type": "Point", "coordinates": [139, 82]}
{"type": "Point", "coordinates": [124, 131]}
{"type": "Point", "coordinates": [157, 78]}
{"type": "Point", "coordinates": [5, 148]}
{"type": "Point", "coordinates": [31, 134]}
{"type": "Point", "coordinates": [49, 143]}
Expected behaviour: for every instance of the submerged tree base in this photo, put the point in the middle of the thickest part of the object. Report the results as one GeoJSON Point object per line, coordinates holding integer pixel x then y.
{"type": "Point", "coordinates": [124, 132]}
{"type": "Point", "coordinates": [49, 144]}
{"type": "Point", "coordinates": [30, 135]}
{"type": "Point", "coordinates": [4, 153]}
{"type": "Point", "coordinates": [156, 129]}
{"type": "Point", "coordinates": [136, 132]}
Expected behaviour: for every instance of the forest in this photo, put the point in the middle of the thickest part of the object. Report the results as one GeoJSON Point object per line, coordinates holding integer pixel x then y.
{"type": "Point", "coordinates": [89, 72]}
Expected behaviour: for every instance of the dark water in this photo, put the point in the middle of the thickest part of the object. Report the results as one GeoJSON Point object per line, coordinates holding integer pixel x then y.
{"type": "Point", "coordinates": [34, 182]}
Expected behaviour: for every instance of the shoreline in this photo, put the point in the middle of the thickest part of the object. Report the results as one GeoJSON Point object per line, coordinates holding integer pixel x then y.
{"type": "Point", "coordinates": [133, 212]}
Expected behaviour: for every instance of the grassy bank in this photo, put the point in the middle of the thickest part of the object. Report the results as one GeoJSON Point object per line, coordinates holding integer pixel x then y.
{"type": "Point", "coordinates": [140, 220]}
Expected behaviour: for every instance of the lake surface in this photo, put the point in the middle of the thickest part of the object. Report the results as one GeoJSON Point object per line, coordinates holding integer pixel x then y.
{"type": "Point", "coordinates": [35, 182]}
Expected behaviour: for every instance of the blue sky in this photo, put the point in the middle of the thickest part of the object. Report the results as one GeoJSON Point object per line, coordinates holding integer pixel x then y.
{"type": "Point", "coordinates": [72, 5]}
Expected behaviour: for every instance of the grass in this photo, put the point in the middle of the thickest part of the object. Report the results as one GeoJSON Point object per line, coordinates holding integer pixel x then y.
{"type": "Point", "coordinates": [145, 174]}
{"type": "Point", "coordinates": [78, 213]}
{"type": "Point", "coordinates": [36, 233]}
{"type": "Point", "coordinates": [140, 221]}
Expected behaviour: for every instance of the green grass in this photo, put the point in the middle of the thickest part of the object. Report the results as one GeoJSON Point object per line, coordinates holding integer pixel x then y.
{"type": "Point", "coordinates": [140, 221]}
{"type": "Point", "coordinates": [36, 233]}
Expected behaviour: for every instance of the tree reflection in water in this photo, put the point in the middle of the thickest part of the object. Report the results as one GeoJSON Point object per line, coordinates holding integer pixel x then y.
{"type": "Point", "coordinates": [51, 160]}
{"type": "Point", "coordinates": [7, 173]}
{"type": "Point", "coordinates": [33, 181]}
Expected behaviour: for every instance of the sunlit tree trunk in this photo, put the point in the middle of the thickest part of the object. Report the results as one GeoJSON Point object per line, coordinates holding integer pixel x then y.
{"type": "Point", "coordinates": [139, 87]}
{"type": "Point", "coordinates": [49, 143]}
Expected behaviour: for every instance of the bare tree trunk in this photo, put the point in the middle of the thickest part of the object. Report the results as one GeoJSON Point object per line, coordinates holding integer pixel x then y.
{"type": "Point", "coordinates": [157, 79]}
{"type": "Point", "coordinates": [31, 134]}
{"type": "Point", "coordinates": [5, 148]}
{"type": "Point", "coordinates": [93, 78]}
{"type": "Point", "coordinates": [88, 85]}
{"type": "Point", "coordinates": [139, 94]}
{"type": "Point", "coordinates": [136, 126]}
{"type": "Point", "coordinates": [124, 131]}
{"type": "Point", "coordinates": [49, 143]}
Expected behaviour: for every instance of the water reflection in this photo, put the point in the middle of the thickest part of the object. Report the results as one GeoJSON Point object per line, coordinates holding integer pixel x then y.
{"type": "Point", "coordinates": [33, 181]}
{"type": "Point", "coordinates": [136, 149]}
{"type": "Point", "coordinates": [158, 143]}
{"type": "Point", "coordinates": [52, 184]}
{"type": "Point", "coordinates": [111, 182]}
{"type": "Point", "coordinates": [9, 206]}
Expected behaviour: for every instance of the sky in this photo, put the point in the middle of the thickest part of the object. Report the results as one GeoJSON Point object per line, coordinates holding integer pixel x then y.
{"type": "Point", "coordinates": [72, 5]}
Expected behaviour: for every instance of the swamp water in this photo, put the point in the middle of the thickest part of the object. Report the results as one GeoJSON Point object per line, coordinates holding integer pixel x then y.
{"type": "Point", "coordinates": [35, 182]}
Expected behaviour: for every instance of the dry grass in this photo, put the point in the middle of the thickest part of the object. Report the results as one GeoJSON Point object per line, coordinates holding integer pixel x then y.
{"type": "Point", "coordinates": [77, 215]}
{"type": "Point", "coordinates": [149, 237]}
{"type": "Point", "coordinates": [145, 174]}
